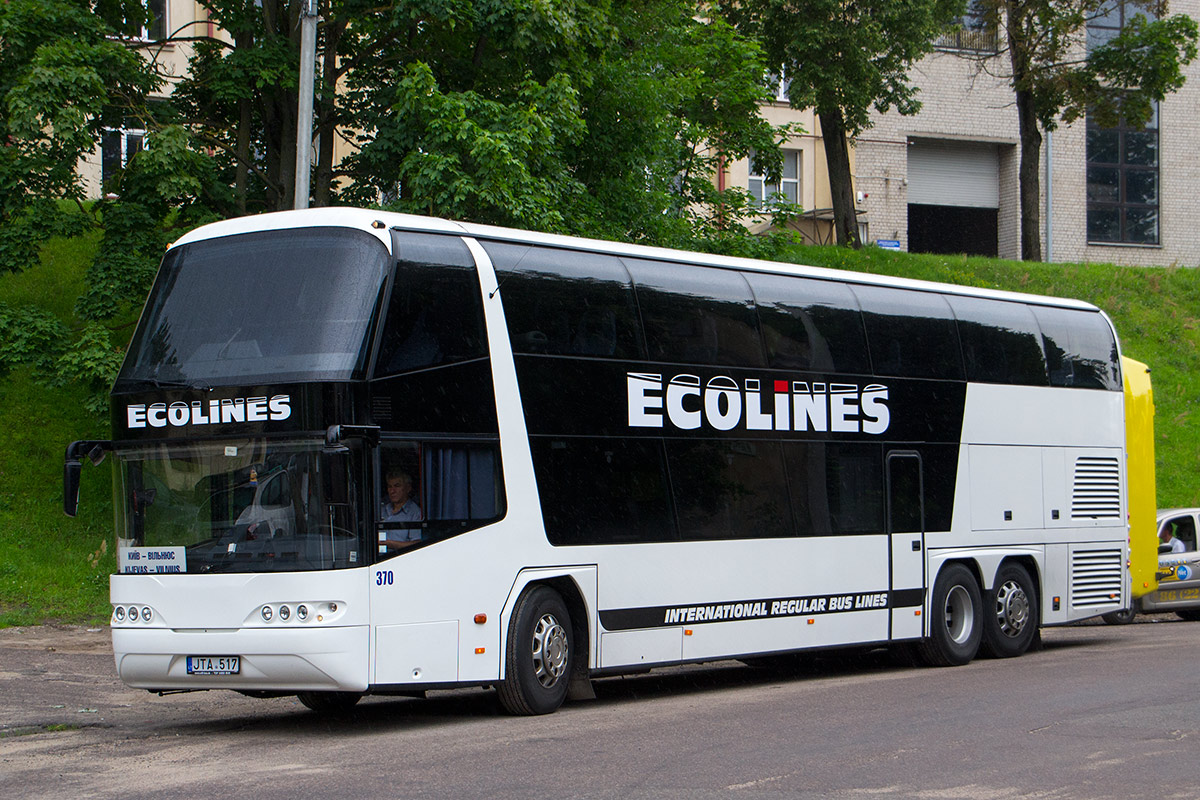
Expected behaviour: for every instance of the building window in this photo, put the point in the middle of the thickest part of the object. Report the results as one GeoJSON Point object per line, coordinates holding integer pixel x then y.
{"type": "Point", "coordinates": [156, 26]}
{"type": "Point", "coordinates": [975, 30]}
{"type": "Point", "coordinates": [150, 29]}
{"type": "Point", "coordinates": [1122, 161]}
{"type": "Point", "coordinates": [787, 189]}
{"type": "Point", "coordinates": [1122, 183]}
{"type": "Point", "coordinates": [779, 85]}
{"type": "Point", "coordinates": [117, 146]}
{"type": "Point", "coordinates": [1111, 17]}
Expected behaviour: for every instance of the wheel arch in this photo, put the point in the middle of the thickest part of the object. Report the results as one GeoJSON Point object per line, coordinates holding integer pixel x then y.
{"type": "Point", "coordinates": [985, 564]}
{"type": "Point", "coordinates": [576, 585]}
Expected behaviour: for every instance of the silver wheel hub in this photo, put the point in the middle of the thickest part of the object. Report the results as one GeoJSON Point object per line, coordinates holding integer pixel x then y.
{"type": "Point", "coordinates": [959, 614]}
{"type": "Point", "coordinates": [1012, 608]}
{"type": "Point", "coordinates": [549, 650]}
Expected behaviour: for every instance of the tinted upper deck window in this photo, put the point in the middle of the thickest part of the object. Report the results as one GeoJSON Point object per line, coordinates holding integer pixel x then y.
{"type": "Point", "coordinates": [1000, 341]}
{"type": "Point", "coordinates": [696, 315]}
{"type": "Point", "coordinates": [435, 315]}
{"type": "Point", "coordinates": [566, 302]}
{"type": "Point", "coordinates": [260, 307]}
{"type": "Point", "coordinates": [1080, 348]}
{"type": "Point", "coordinates": [911, 334]}
{"type": "Point", "coordinates": [810, 325]}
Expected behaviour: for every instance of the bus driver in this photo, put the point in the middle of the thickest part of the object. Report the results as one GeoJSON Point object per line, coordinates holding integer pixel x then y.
{"type": "Point", "coordinates": [399, 507]}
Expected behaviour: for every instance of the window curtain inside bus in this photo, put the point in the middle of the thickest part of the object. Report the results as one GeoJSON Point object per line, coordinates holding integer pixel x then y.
{"type": "Point", "coordinates": [460, 482]}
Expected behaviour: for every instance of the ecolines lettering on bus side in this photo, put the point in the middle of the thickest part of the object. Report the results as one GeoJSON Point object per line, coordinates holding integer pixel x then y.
{"type": "Point", "coordinates": [213, 412]}
{"type": "Point", "coordinates": [793, 406]}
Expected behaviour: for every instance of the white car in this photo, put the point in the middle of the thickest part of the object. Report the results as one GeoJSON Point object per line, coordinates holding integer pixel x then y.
{"type": "Point", "coordinates": [1178, 573]}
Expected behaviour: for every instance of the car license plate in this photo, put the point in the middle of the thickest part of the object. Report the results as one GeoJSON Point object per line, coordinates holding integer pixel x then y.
{"type": "Point", "coordinates": [213, 665]}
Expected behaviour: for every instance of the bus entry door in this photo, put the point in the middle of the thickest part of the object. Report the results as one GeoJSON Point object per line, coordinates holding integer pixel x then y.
{"type": "Point", "coordinates": [906, 534]}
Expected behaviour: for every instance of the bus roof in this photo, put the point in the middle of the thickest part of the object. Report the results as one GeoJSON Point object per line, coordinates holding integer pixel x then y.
{"type": "Point", "coordinates": [378, 223]}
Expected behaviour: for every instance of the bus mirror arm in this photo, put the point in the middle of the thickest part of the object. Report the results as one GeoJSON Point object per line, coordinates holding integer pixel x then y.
{"type": "Point", "coordinates": [73, 467]}
{"type": "Point", "coordinates": [337, 472]}
{"type": "Point", "coordinates": [336, 434]}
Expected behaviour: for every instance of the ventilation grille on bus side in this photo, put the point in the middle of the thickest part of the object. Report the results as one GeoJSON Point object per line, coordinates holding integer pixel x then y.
{"type": "Point", "coordinates": [1097, 490]}
{"type": "Point", "coordinates": [1095, 577]}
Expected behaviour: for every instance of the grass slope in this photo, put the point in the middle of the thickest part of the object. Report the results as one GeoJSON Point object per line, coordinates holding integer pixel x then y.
{"type": "Point", "coordinates": [52, 568]}
{"type": "Point", "coordinates": [56, 569]}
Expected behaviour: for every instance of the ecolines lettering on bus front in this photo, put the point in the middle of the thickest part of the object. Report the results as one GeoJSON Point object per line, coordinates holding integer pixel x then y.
{"type": "Point", "coordinates": [212, 412]}
{"type": "Point", "coordinates": [687, 403]}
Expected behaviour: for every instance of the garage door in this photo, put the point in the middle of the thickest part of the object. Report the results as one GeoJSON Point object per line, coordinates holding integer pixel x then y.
{"type": "Point", "coordinates": [942, 173]}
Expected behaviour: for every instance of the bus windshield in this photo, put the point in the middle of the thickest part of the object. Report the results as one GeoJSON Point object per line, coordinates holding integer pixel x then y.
{"type": "Point", "coordinates": [260, 307]}
{"type": "Point", "coordinates": [233, 506]}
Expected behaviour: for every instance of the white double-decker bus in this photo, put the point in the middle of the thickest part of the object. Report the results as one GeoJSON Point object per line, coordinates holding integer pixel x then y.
{"type": "Point", "coordinates": [363, 453]}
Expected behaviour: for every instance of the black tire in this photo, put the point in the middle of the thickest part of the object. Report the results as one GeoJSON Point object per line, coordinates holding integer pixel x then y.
{"type": "Point", "coordinates": [955, 624]}
{"type": "Point", "coordinates": [539, 655]}
{"type": "Point", "coordinates": [329, 702]}
{"type": "Point", "coordinates": [1010, 613]}
{"type": "Point", "coordinates": [1190, 614]}
{"type": "Point", "coordinates": [1124, 616]}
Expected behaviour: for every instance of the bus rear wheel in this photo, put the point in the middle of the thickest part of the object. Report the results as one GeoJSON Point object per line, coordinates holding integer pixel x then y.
{"type": "Point", "coordinates": [1125, 615]}
{"type": "Point", "coordinates": [537, 661]}
{"type": "Point", "coordinates": [955, 619]}
{"type": "Point", "coordinates": [329, 702]}
{"type": "Point", "coordinates": [1010, 616]}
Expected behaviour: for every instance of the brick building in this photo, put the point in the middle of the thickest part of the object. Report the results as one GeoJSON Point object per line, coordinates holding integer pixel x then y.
{"type": "Point", "coordinates": [945, 179]}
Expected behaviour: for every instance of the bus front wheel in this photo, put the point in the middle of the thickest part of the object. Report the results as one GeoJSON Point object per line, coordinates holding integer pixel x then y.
{"type": "Point", "coordinates": [329, 702]}
{"type": "Point", "coordinates": [955, 619]}
{"type": "Point", "coordinates": [537, 661]}
{"type": "Point", "coordinates": [1010, 616]}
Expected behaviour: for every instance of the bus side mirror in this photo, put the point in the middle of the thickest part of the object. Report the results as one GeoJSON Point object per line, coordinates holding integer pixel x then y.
{"type": "Point", "coordinates": [73, 467]}
{"type": "Point", "coordinates": [336, 475]}
{"type": "Point", "coordinates": [71, 472]}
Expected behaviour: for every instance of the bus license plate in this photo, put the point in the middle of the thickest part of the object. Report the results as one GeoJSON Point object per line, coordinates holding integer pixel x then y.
{"type": "Point", "coordinates": [213, 665]}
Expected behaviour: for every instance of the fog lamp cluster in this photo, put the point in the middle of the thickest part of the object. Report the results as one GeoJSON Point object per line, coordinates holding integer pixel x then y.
{"type": "Point", "coordinates": [132, 613]}
{"type": "Point", "coordinates": [298, 612]}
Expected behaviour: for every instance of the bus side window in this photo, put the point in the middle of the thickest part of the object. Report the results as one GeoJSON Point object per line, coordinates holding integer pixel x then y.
{"type": "Point", "coordinates": [399, 511]}
{"type": "Point", "coordinates": [602, 491]}
{"type": "Point", "coordinates": [462, 487]}
{"type": "Point", "coordinates": [1001, 342]}
{"type": "Point", "coordinates": [697, 315]}
{"type": "Point", "coordinates": [729, 490]}
{"type": "Point", "coordinates": [1080, 348]}
{"type": "Point", "coordinates": [567, 302]}
{"type": "Point", "coordinates": [910, 334]}
{"type": "Point", "coordinates": [836, 487]}
{"type": "Point", "coordinates": [810, 325]}
{"type": "Point", "coordinates": [435, 315]}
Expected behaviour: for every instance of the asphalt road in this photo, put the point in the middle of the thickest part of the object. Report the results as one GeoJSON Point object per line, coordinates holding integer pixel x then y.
{"type": "Point", "coordinates": [1099, 712]}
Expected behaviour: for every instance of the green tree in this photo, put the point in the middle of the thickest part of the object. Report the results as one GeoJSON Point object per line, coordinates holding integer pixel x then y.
{"type": "Point", "coordinates": [600, 117]}
{"type": "Point", "coordinates": [65, 73]}
{"type": "Point", "coordinates": [672, 101]}
{"type": "Point", "coordinates": [843, 57]}
{"type": "Point", "coordinates": [603, 118]}
{"type": "Point", "coordinates": [1057, 77]}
